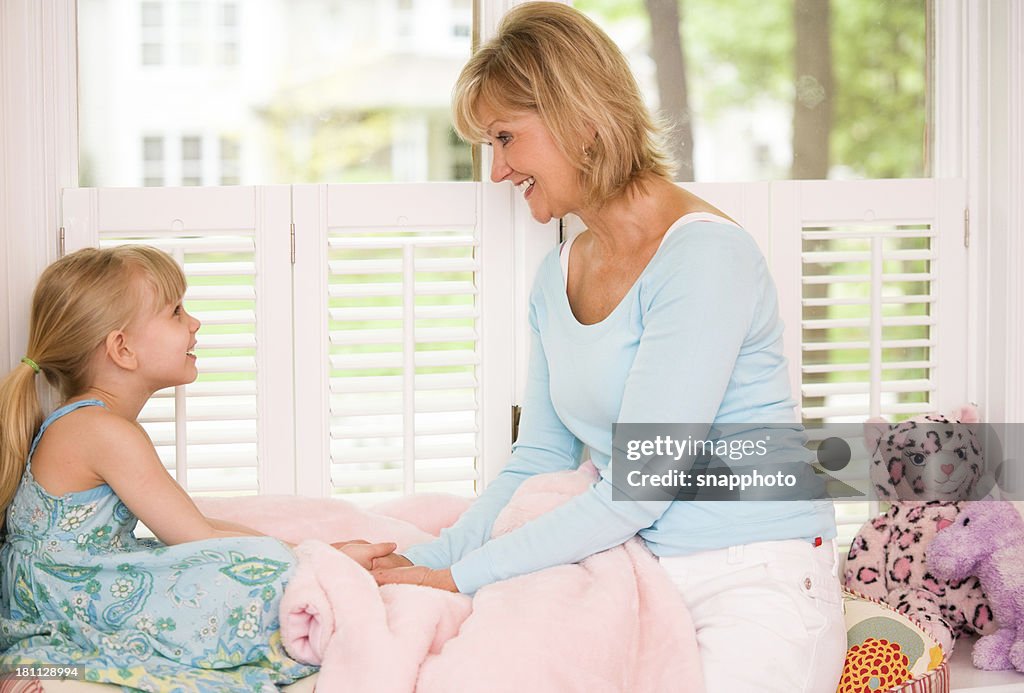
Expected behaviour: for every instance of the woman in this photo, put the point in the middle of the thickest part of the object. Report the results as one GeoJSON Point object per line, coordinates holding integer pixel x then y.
{"type": "Point", "coordinates": [661, 311]}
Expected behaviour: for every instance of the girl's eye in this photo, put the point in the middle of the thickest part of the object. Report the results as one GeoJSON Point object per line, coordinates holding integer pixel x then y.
{"type": "Point", "coordinates": [177, 309]}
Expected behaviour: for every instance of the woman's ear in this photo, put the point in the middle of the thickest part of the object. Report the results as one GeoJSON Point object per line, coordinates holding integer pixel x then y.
{"type": "Point", "coordinates": [120, 352]}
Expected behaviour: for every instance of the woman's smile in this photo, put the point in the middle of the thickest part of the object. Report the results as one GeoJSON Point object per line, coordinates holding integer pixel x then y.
{"type": "Point", "coordinates": [522, 141]}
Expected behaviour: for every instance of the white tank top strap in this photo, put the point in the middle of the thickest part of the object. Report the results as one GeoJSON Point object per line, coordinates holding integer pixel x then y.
{"type": "Point", "coordinates": [563, 258]}
{"type": "Point", "coordinates": [697, 216]}
{"type": "Point", "coordinates": [563, 253]}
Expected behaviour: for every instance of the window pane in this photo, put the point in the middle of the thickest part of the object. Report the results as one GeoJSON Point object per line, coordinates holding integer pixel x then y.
{"type": "Point", "coordinates": [191, 161]}
{"type": "Point", "coordinates": [152, 161]}
{"type": "Point", "coordinates": [230, 157]}
{"type": "Point", "coordinates": [151, 14]}
{"type": "Point", "coordinates": [313, 91]}
{"type": "Point", "coordinates": [843, 85]}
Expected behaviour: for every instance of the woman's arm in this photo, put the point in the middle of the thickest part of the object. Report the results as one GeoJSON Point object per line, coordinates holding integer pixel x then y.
{"type": "Point", "coordinates": [544, 445]}
{"type": "Point", "coordinates": [695, 322]}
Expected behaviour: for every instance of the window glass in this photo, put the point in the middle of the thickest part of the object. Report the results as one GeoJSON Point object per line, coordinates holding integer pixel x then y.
{"type": "Point", "coordinates": [153, 160]}
{"type": "Point", "coordinates": [270, 91]}
{"type": "Point", "coordinates": [776, 89]}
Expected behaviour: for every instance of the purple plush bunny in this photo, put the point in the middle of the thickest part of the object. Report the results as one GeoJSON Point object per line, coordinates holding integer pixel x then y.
{"type": "Point", "coordinates": [987, 540]}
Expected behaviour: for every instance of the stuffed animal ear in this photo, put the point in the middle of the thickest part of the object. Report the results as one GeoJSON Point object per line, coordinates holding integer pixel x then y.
{"type": "Point", "coordinates": [874, 429]}
{"type": "Point", "coordinates": [967, 414]}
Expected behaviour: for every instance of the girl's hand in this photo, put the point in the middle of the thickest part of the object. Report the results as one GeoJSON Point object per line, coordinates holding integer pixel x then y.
{"type": "Point", "coordinates": [392, 560]}
{"type": "Point", "coordinates": [340, 544]}
{"type": "Point", "coordinates": [363, 553]}
{"type": "Point", "coordinates": [417, 575]}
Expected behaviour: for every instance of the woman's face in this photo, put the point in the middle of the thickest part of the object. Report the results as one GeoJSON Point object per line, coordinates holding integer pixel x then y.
{"type": "Point", "coordinates": [526, 154]}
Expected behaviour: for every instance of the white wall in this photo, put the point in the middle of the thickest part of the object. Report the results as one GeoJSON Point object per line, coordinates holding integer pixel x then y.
{"type": "Point", "coordinates": [38, 151]}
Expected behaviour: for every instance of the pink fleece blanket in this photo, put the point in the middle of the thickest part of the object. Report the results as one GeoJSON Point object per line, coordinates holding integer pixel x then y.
{"type": "Point", "coordinates": [612, 623]}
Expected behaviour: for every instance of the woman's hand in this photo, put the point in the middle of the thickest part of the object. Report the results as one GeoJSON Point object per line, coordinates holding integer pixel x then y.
{"type": "Point", "coordinates": [417, 575]}
{"type": "Point", "coordinates": [364, 553]}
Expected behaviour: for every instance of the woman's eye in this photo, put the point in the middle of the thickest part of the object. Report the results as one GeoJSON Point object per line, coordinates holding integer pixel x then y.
{"type": "Point", "coordinates": [504, 139]}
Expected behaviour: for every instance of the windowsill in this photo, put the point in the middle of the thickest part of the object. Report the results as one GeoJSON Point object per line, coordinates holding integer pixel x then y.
{"type": "Point", "coordinates": [964, 678]}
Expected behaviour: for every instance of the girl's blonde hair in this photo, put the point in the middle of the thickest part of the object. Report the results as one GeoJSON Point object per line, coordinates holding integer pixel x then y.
{"type": "Point", "coordinates": [79, 300]}
{"type": "Point", "coordinates": [552, 60]}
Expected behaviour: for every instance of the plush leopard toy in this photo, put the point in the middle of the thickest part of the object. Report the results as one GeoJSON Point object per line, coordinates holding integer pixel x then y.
{"type": "Point", "coordinates": [932, 457]}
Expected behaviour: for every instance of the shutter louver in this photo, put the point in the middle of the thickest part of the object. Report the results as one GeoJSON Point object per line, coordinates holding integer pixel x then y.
{"type": "Point", "coordinates": [403, 354]}
{"type": "Point", "coordinates": [867, 319]}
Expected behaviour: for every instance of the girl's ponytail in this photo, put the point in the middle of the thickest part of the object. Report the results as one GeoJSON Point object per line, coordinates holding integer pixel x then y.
{"type": "Point", "coordinates": [79, 300]}
{"type": "Point", "coordinates": [20, 416]}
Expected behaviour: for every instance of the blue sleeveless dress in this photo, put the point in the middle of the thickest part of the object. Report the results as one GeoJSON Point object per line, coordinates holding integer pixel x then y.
{"type": "Point", "coordinates": [79, 589]}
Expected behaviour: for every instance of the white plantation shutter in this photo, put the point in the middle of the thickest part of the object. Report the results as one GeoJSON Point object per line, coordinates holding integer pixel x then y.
{"type": "Point", "coordinates": [403, 392]}
{"type": "Point", "coordinates": [390, 341]}
{"type": "Point", "coordinates": [874, 264]}
{"type": "Point", "coordinates": [233, 246]}
{"type": "Point", "coordinates": [869, 291]}
{"type": "Point", "coordinates": [381, 362]}
{"type": "Point", "coordinates": [873, 283]}
{"type": "Point", "coordinates": [357, 369]}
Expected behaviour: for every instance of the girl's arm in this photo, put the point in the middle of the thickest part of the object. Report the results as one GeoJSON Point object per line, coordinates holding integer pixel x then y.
{"type": "Point", "coordinates": [121, 454]}
{"type": "Point", "coordinates": [232, 527]}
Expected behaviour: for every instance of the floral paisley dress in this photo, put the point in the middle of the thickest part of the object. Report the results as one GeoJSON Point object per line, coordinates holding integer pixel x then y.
{"type": "Point", "coordinates": [79, 589]}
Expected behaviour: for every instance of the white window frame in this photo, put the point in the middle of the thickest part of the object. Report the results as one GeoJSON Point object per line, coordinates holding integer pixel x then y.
{"type": "Point", "coordinates": [979, 136]}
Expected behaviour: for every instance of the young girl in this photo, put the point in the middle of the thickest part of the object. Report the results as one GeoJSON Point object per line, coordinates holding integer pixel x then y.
{"type": "Point", "coordinates": [200, 611]}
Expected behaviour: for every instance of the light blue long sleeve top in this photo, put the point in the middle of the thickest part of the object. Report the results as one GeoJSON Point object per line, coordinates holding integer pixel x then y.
{"type": "Point", "coordinates": [696, 339]}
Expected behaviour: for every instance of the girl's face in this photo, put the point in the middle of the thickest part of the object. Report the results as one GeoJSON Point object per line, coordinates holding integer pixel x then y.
{"type": "Point", "coordinates": [164, 342]}
{"type": "Point", "coordinates": [526, 154]}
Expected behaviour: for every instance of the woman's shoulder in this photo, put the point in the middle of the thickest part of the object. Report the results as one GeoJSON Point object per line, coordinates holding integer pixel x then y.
{"type": "Point", "coordinates": [704, 250]}
{"type": "Point", "coordinates": [711, 235]}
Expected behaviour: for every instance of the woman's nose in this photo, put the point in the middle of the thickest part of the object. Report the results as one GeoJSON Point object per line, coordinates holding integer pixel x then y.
{"type": "Point", "coordinates": [499, 169]}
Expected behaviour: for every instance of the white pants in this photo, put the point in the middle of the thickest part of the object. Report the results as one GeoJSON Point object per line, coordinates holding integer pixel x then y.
{"type": "Point", "coordinates": [768, 616]}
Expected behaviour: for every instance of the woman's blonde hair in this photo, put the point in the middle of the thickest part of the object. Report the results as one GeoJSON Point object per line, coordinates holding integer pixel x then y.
{"type": "Point", "coordinates": [79, 300]}
{"type": "Point", "coordinates": [552, 60]}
